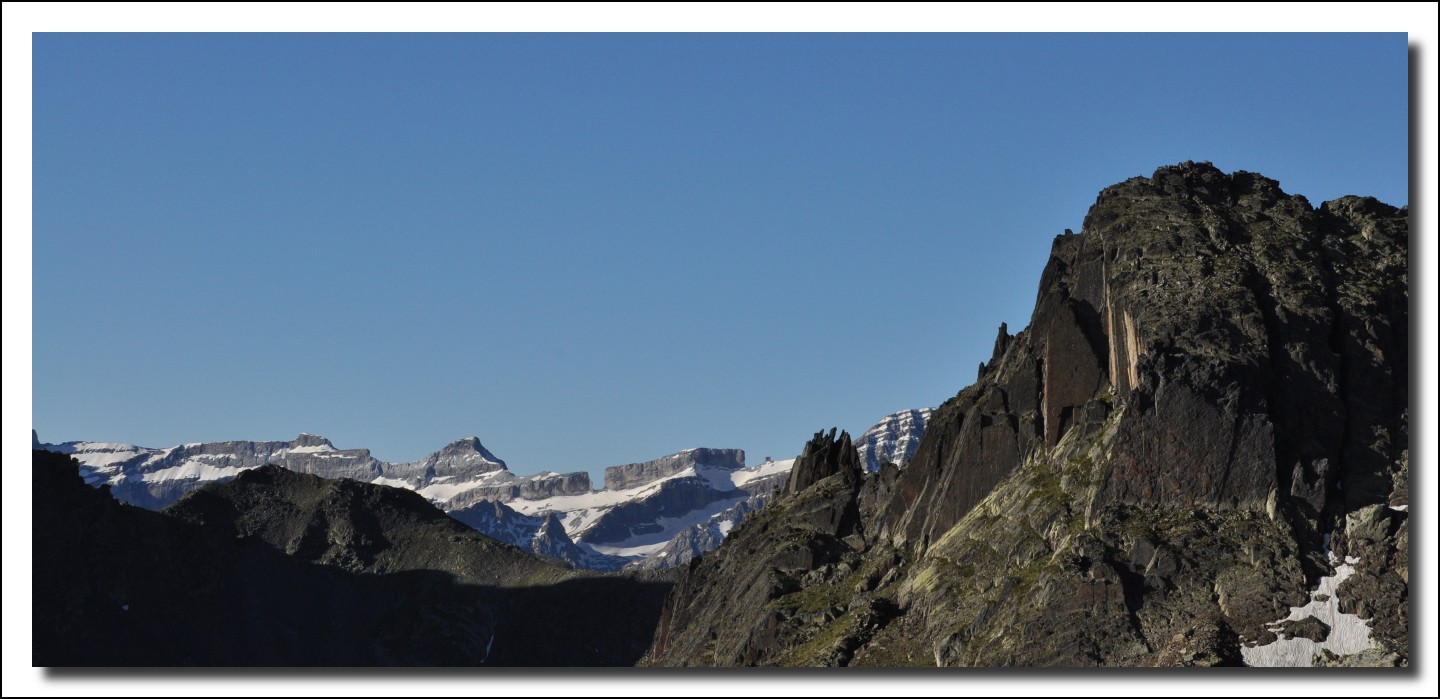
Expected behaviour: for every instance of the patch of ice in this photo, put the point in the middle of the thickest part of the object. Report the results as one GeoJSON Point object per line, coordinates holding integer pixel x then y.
{"type": "Point", "coordinates": [1400, 508]}
{"type": "Point", "coordinates": [1349, 633]}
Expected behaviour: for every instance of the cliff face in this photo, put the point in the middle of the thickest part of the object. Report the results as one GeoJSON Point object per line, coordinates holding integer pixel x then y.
{"type": "Point", "coordinates": [1212, 385]}
{"type": "Point", "coordinates": [631, 475]}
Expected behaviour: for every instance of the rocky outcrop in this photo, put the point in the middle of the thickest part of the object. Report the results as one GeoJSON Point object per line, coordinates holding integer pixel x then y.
{"type": "Point", "coordinates": [825, 456]}
{"type": "Point", "coordinates": [753, 599]}
{"type": "Point", "coordinates": [631, 475]}
{"type": "Point", "coordinates": [1211, 387]}
{"type": "Point", "coordinates": [462, 459]}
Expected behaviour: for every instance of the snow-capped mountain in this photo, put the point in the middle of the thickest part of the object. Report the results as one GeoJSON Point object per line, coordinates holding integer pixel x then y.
{"type": "Point", "coordinates": [462, 473]}
{"type": "Point", "coordinates": [701, 538]}
{"type": "Point", "coordinates": [655, 501]}
{"type": "Point", "coordinates": [894, 438]}
{"type": "Point", "coordinates": [643, 506]}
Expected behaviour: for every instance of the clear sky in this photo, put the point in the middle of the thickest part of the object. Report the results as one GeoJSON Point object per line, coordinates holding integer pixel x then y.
{"type": "Point", "coordinates": [589, 250]}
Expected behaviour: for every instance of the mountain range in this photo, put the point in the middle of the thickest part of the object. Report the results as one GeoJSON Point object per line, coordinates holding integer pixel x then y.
{"type": "Point", "coordinates": [653, 514]}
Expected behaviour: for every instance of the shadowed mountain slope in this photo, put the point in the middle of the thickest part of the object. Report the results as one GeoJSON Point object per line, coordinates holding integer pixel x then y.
{"type": "Point", "coordinates": [280, 568]}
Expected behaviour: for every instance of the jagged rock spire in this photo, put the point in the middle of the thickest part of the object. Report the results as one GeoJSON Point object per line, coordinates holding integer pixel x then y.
{"type": "Point", "coordinates": [825, 456]}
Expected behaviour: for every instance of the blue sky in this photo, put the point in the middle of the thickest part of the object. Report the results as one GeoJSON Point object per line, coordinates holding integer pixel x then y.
{"type": "Point", "coordinates": [594, 249]}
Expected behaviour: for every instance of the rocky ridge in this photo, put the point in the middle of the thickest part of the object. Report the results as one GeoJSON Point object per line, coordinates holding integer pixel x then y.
{"type": "Point", "coordinates": [1205, 419]}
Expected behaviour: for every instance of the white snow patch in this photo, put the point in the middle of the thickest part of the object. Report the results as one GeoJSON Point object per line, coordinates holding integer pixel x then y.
{"type": "Point", "coordinates": [725, 525]}
{"type": "Point", "coordinates": [629, 551]}
{"type": "Point", "coordinates": [158, 456]}
{"type": "Point", "coordinates": [102, 454]}
{"type": "Point", "coordinates": [191, 469]}
{"type": "Point", "coordinates": [392, 482]}
{"type": "Point", "coordinates": [1400, 508]}
{"type": "Point", "coordinates": [318, 448]}
{"type": "Point", "coordinates": [1349, 633]}
{"type": "Point", "coordinates": [445, 492]}
{"type": "Point", "coordinates": [579, 512]}
{"type": "Point", "coordinates": [764, 470]}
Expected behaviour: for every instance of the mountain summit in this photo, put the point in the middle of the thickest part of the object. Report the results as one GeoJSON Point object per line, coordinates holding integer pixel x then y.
{"type": "Point", "coordinates": [1198, 444]}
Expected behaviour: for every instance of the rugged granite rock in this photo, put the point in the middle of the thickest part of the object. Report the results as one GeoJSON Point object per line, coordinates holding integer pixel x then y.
{"type": "Point", "coordinates": [1212, 386]}
{"type": "Point", "coordinates": [825, 456]}
{"type": "Point", "coordinates": [752, 600]}
{"type": "Point", "coordinates": [277, 568]}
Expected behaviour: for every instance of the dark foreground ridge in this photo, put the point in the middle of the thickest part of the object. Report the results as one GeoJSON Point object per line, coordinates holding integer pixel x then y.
{"type": "Point", "coordinates": [277, 568]}
{"type": "Point", "coordinates": [1205, 416]}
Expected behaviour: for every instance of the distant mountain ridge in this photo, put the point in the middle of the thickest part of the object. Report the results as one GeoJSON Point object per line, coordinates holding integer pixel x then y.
{"type": "Point", "coordinates": [642, 507]}
{"type": "Point", "coordinates": [153, 478]}
{"type": "Point", "coordinates": [651, 514]}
